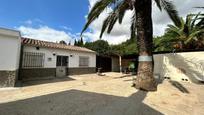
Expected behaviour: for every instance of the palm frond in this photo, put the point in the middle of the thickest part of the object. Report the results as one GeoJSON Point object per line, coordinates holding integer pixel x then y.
{"type": "Point", "coordinates": [123, 7]}
{"type": "Point", "coordinates": [187, 25]}
{"type": "Point", "coordinates": [195, 19]}
{"type": "Point", "coordinates": [193, 34]}
{"type": "Point", "coordinates": [105, 24]}
{"type": "Point", "coordinates": [117, 14]}
{"type": "Point", "coordinates": [97, 9]}
{"type": "Point", "coordinates": [200, 24]}
{"type": "Point", "coordinates": [112, 23]}
{"type": "Point", "coordinates": [173, 29]}
{"type": "Point", "coordinates": [199, 7]}
{"type": "Point", "coordinates": [158, 3]}
{"type": "Point", "coordinates": [109, 22]}
{"type": "Point", "coordinates": [170, 9]}
{"type": "Point", "coordinates": [133, 25]}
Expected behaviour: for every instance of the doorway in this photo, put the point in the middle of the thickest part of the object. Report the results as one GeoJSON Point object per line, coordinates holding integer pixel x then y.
{"type": "Point", "coordinates": [62, 66]}
{"type": "Point", "coordinates": [104, 62]}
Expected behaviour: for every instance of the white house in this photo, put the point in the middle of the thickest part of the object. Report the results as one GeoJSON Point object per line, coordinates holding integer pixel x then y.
{"type": "Point", "coordinates": [43, 59]}
{"type": "Point", "coordinates": [29, 59]}
{"type": "Point", "coordinates": [10, 43]}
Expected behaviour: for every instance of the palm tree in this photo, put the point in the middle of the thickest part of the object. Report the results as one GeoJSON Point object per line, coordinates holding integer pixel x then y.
{"type": "Point", "coordinates": [141, 29]}
{"type": "Point", "coordinates": [187, 36]}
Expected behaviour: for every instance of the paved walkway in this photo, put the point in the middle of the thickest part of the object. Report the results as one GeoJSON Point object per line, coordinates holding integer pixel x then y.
{"type": "Point", "coordinates": [106, 95]}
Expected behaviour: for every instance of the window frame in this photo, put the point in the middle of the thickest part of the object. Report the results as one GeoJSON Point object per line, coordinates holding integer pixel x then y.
{"type": "Point", "coordinates": [33, 60]}
{"type": "Point", "coordinates": [84, 64]}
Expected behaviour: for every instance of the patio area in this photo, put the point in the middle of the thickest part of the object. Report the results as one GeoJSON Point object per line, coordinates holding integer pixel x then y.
{"type": "Point", "coordinates": [111, 94]}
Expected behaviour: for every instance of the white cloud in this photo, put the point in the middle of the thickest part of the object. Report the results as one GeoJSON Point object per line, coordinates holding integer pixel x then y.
{"type": "Point", "coordinates": [29, 22]}
{"type": "Point", "coordinates": [121, 32]}
{"type": "Point", "coordinates": [45, 33]}
{"type": "Point", "coordinates": [66, 28]}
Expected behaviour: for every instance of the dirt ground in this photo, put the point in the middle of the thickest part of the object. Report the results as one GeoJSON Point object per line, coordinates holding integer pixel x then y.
{"type": "Point", "coordinates": [105, 95]}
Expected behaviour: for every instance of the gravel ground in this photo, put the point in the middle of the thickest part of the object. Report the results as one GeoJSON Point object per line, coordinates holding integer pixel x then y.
{"type": "Point", "coordinates": [111, 94]}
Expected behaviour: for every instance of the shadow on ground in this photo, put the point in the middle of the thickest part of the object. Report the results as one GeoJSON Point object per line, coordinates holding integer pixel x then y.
{"type": "Point", "coordinates": [45, 81]}
{"type": "Point", "coordinates": [76, 102]}
{"type": "Point", "coordinates": [179, 86]}
{"type": "Point", "coordinates": [123, 76]}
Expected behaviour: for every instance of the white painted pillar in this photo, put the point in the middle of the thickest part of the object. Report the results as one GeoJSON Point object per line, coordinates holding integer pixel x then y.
{"type": "Point", "coordinates": [120, 63]}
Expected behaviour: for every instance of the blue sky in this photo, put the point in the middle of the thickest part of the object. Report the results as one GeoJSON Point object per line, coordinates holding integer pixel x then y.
{"type": "Point", "coordinates": [54, 13]}
{"type": "Point", "coordinates": [55, 20]}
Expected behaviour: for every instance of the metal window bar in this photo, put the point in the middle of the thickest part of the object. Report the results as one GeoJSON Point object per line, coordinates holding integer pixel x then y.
{"type": "Point", "coordinates": [33, 60]}
{"type": "Point", "coordinates": [83, 61]}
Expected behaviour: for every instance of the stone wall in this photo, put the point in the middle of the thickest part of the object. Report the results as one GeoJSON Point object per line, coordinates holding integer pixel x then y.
{"type": "Point", "coordinates": [8, 78]}
{"type": "Point", "coordinates": [37, 73]}
{"type": "Point", "coordinates": [81, 70]}
{"type": "Point", "coordinates": [44, 73]}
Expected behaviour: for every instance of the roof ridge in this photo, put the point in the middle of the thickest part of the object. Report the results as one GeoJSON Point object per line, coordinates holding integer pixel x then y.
{"type": "Point", "coordinates": [43, 43]}
{"type": "Point", "coordinates": [39, 40]}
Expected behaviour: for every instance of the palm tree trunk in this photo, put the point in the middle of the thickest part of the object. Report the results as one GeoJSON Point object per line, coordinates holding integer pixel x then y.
{"type": "Point", "coordinates": [145, 79]}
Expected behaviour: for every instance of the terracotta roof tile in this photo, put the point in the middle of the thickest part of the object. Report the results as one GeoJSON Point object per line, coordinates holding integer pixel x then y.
{"type": "Point", "coordinates": [40, 43]}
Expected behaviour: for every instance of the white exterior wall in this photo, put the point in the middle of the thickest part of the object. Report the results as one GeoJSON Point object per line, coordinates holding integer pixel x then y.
{"type": "Point", "coordinates": [10, 44]}
{"type": "Point", "coordinates": [115, 64]}
{"type": "Point", "coordinates": [73, 61]}
{"type": "Point", "coordinates": [180, 66]}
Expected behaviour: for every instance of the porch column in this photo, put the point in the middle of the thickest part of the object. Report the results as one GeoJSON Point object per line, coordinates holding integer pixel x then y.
{"type": "Point", "coordinates": [120, 63]}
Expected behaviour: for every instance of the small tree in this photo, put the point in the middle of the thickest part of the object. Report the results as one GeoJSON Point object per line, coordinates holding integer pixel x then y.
{"type": "Point", "coordinates": [63, 42]}
{"type": "Point", "coordinates": [79, 43]}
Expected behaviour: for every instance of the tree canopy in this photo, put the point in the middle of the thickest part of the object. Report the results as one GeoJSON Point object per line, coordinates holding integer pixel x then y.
{"type": "Point", "coordinates": [100, 46]}
{"type": "Point", "coordinates": [126, 48]}
{"type": "Point", "coordinates": [190, 33]}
